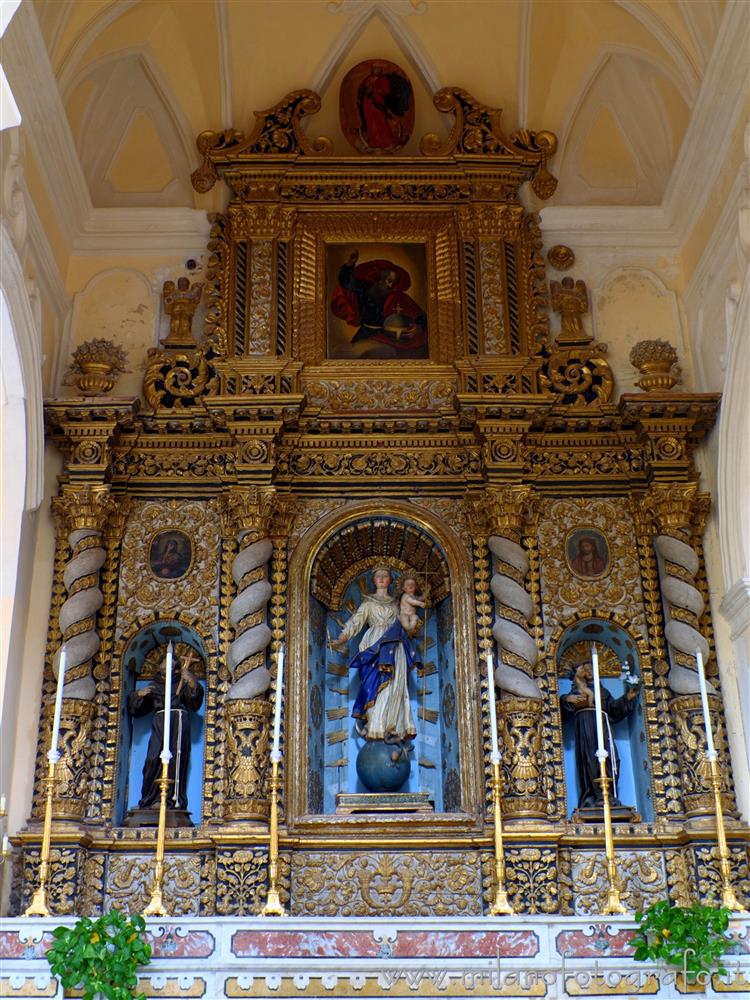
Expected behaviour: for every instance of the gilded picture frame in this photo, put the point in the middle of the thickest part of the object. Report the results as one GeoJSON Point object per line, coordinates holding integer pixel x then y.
{"type": "Point", "coordinates": [325, 241]}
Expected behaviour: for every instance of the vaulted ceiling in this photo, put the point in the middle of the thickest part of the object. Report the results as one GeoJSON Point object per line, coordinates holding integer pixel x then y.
{"type": "Point", "coordinates": [615, 79]}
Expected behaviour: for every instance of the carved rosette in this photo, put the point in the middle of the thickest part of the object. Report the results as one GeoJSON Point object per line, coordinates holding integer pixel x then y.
{"type": "Point", "coordinates": [673, 507]}
{"type": "Point", "coordinates": [71, 771]}
{"type": "Point", "coordinates": [695, 770]}
{"type": "Point", "coordinates": [520, 724]}
{"type": "Point", "coordinates": [247, 515]}
{"type": "Point", "coordinates": [247, 761]}
{"type": "Point", "coordinates": [82, 515]}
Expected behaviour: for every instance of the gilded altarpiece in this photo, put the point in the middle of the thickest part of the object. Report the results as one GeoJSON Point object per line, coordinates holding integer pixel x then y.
{"type": "Point", "coordinates": [557, 506]}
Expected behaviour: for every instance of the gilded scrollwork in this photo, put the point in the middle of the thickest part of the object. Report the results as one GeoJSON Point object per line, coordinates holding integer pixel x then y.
{"type": "Point", "coordinates": [178, 381]}
{"type": "Point", "coordinates": [143, 594]}
{"type": "Point", "coordinates": [277, 130]}
{"type": "Point", "coordinates": [378, 463]}
{"type": "Point", "coordinates": [130, 881]}
{"type": "Point", "coordinates": [382, 394]}
{"type": "Point", "coordinates": [380, 883]}
{"type": "Point", "coordinates": [641, 874]}
{"type": "Point", "coordinates": [565, 593]}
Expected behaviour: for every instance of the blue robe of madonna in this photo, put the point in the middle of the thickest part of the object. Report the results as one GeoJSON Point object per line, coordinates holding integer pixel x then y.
{"type": "Point", "coordinates": [385, 654]}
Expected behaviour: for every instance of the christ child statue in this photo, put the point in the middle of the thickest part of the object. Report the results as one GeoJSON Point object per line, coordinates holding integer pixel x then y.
{"type": "Point", "coordinates": [411, 599]}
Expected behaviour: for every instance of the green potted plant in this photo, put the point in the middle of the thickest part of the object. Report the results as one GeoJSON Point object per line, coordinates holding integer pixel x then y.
{"type": "Point", "coordinates": [101, 956]}
{"type": "Point", "coordinates": [693, 938]}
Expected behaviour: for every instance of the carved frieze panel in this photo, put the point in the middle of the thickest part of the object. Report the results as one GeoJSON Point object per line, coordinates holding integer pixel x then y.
{"type": "Point", "coordinates": [642, 875]}
{"type": "Point", "coordinates": [381, 883]}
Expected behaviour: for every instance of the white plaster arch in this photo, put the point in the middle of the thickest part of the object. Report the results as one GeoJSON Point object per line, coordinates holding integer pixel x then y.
{"type": "Point", "coordinates": [351, 31]}
{"type": "Point", "coordinates": [177, 138]}
{"type": "Point", "coordinates": [667, 39]}
{"type": "Point", "coordinates": [96, 24]}
{"type": "Point", "coordinates": [26, 334]}
{"type": "Point", "coordinates": [588, 82]}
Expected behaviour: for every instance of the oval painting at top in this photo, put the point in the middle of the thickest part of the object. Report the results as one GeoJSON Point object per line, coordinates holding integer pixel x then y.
{"type": "Point", "coordinates": [376, 107]}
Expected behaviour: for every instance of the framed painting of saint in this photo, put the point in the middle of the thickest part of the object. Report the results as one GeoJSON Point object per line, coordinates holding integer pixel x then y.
{"type": "Point", "coordinates": [377, 294]}
{"type": "Point", "coordinates": [170, 554]}
{"type": "Point", "coordinates": [587, 553]}
{"type": "Point", "coordinates": [376, 107]}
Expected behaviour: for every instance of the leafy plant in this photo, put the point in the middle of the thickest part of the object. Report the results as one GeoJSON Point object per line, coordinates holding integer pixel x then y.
{"type": "Point", "coordinates": [101, 955]}
{"type": "Point", "coordinates": [691, 937]}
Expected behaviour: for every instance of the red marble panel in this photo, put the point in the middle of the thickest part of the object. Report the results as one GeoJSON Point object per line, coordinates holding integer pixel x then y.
{"type": "Point", "coordinates": [595, 941]}
{"type": "Point", "coordinates": [466, 944]}
{"type": "Point", "coordinates": [13, 946]}
{"type": "Point", "coordinates": [193, 944]}
{"type": "Point", "coordinates": [305, 944]}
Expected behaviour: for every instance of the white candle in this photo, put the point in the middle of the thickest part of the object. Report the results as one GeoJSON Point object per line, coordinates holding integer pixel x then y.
{"type": "Point", "coordinates": [6, 845]}
{"type": "Point", "coordinates": [493, 707]}
{"type": "Point", "coordinates": [2, 805]}
{"type": "Point", "coordinates": [277, 705]}
{"type": "Point", "coordinates": [165, 754]}
{"type": "Point", "coordinates": [53, 755]}
{"type": "Point", "coordinates": [597, 700]}
{"type": "Point", "coordinates": [710, 752]}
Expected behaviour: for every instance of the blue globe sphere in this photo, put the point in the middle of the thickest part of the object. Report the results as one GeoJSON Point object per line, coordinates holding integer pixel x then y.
{"type": "Point", "coordinates": [382, 767]}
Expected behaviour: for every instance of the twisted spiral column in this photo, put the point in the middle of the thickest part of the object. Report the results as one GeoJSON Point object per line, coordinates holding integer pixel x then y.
{"type": "Point", "coordinates": [246, 517]}
{"type": "Point", "coordinates": [82, 515]}
{"type": "Point", "coordinates": [675, 508]}
{"type": "Point", "coordinates": [520, 707]}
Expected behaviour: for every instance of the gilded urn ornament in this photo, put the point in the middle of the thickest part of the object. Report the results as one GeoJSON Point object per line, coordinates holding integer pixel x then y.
{"type": "Point", "coordinates": [656, 360]}
{"type": "Point", "coordinates": [97, 364]}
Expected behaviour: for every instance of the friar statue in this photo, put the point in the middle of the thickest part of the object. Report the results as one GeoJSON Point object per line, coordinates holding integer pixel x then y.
{"type": "Point", "coordinates": [580, 703]}
{"type": "Point", "coordinates": [187, 697]}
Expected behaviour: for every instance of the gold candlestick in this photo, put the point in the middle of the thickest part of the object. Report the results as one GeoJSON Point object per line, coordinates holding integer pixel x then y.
{"type": "Point", "coordinates": [38, 905]}
{"type": "Point", "coordinates": [274, 906]}
{"type": "Point", "coordinates": [501, 906]}
{"type": "Point", "coordinates": [156, 906]}
{"type": "Point", "coordinates": [614, 903]}
{"type": "Point", "coordinates": [728, 897]}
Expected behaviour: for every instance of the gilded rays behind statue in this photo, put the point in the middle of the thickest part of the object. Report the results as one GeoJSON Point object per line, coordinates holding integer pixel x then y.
{"type": "Point", "coordinates": [371, 316]}
{"type": "Point", "coordinates": [376, 107]}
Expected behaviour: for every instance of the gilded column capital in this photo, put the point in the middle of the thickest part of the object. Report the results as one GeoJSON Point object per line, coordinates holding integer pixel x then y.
{"type": "Point", "coordinates": [500, 510]}
{"type": "Point", "coordinates": [247, 512]}
{"type": "Point", "coordinates": [284, 514]}
{"type": "Point", "coordinates": [509, 509]}
{"type": "Point", "coordinates": [83, 508]}
{"type": "Point", "coordinates": [672, 507]}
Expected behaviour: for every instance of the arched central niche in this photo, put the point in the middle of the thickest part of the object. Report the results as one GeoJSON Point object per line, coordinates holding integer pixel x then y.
{"type": "Point", "coordinates": [341, 575]}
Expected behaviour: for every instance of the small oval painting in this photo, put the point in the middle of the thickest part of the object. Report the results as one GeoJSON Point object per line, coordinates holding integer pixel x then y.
{"type": "Point", "coordinates": [170, 554]}
{"type": "Point", "coordinates": [376, 107]}
{"type": "Point", "coordinates": [587, 553]}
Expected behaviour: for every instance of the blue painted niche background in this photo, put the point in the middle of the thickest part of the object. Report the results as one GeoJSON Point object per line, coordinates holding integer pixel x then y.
{"type": "Point", "coordinates": [136, 732]}
{"type": "Point", "coordinates": [333, 740]}
{"type": "Point", "coordinates": [634, 778]}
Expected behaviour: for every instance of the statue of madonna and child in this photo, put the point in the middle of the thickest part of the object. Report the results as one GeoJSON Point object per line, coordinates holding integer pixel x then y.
{"type": "Point", "coordinates": [386, 654]}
